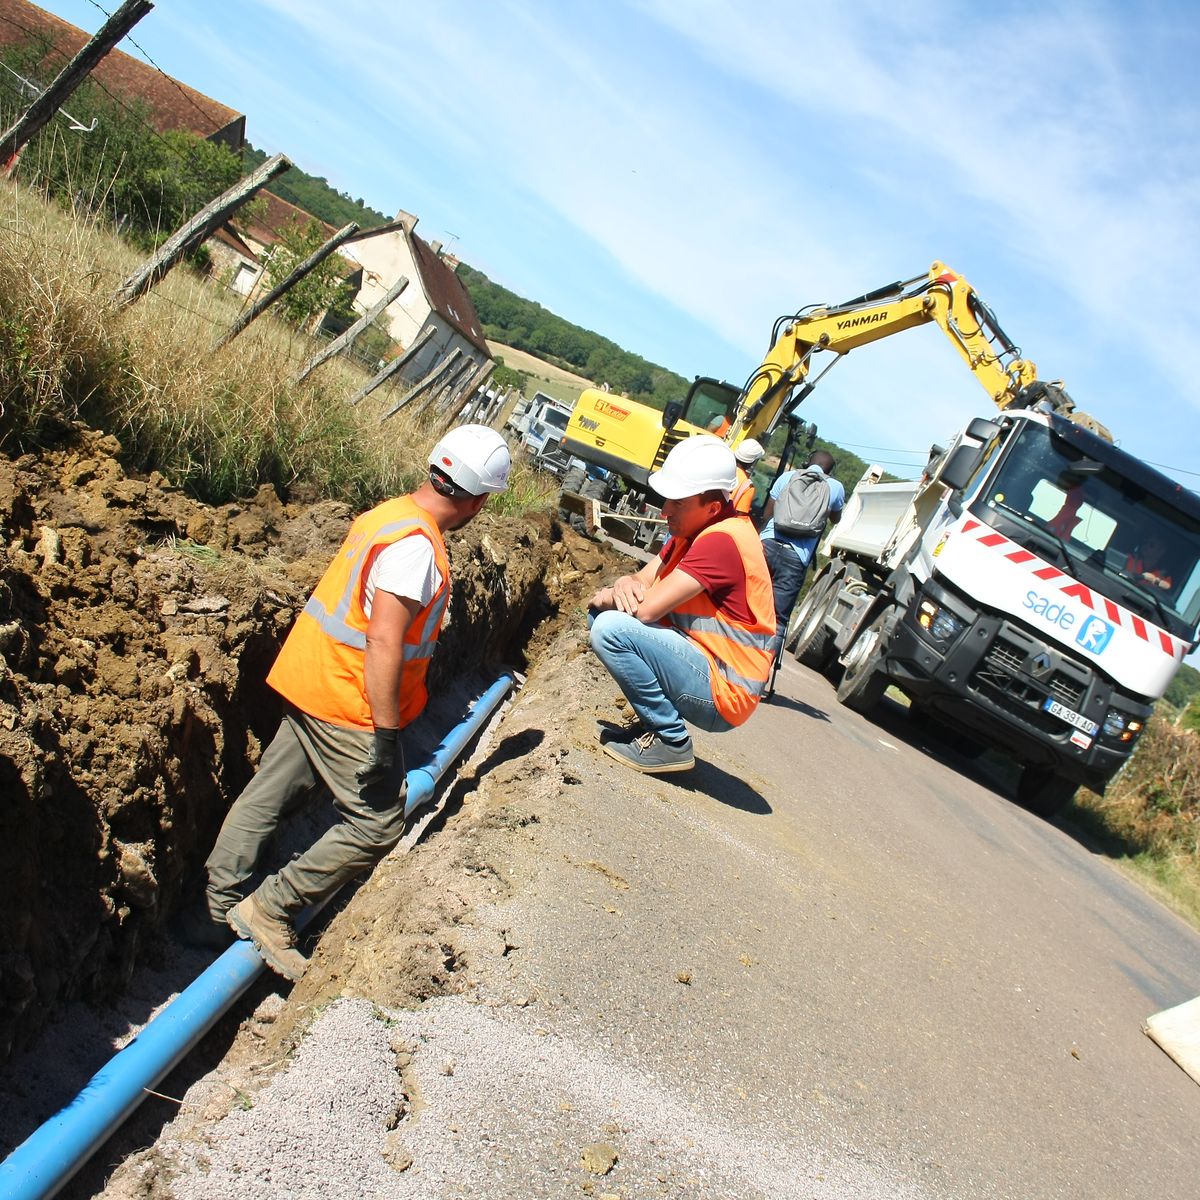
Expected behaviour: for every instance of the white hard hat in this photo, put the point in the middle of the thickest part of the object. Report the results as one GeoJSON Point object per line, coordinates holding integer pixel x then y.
{"type": "Point", "coordinates": [474, 458]}
{"type": "Point", "coordinates": [748, 451]}
{"type": "Point", "coordinates": [700, 463]}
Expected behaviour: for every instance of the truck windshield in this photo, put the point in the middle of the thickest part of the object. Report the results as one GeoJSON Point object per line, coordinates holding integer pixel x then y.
{"type": "Point", "coordinates": [555, 417]}
{"type": "Point", "coordinates": [1101, 522]}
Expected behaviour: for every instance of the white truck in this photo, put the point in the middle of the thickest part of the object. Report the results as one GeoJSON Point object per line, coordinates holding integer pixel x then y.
{"type": "Point", "coordinates": [539, 423]}
{"type": "Point", "coordinates": [1037, 590]}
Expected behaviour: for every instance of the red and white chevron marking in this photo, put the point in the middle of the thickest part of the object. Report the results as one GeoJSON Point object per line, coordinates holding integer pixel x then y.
{"type": "Point", "coordinates": [984, 535]}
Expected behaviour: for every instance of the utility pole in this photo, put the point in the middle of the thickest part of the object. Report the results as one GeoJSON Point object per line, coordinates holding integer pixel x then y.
{"type": "Point", "coordinates": [70, 77]}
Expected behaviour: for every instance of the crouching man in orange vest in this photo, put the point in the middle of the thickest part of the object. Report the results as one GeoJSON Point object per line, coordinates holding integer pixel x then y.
{"type": "Point", "coordinates": [689, 637]}
{"type": "Point", "coordinates": [352, 675]}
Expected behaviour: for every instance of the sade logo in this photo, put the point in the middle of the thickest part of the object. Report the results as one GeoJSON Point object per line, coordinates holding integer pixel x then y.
{"type": "Point", "coordinates": [1095, 635]}
{"type": "Point", "coordinates": [1050, 610]}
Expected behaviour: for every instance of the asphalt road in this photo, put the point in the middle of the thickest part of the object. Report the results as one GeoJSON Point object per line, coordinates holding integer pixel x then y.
{"type": "Point", "coordinates": [833, 961]}
{"type": "Point", "coordinates": [834, 958]}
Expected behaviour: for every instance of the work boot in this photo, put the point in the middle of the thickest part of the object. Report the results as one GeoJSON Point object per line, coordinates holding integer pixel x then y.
{"type": "Point", "coordinates": [649, 754]}
{"type": "Point", "coordinates": [275, 937]}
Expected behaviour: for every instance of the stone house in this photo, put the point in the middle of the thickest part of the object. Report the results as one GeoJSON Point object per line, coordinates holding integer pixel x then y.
{"type": "Point", "coordinates": [435, 299]}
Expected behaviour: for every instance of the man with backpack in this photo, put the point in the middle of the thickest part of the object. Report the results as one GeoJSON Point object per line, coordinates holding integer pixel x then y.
{"type": "Point", "coordinates": [798, 508]}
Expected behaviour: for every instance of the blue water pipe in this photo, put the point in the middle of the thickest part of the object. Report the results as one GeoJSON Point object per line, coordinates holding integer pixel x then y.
{"type": "Point", "coordinates": [48, 1158]}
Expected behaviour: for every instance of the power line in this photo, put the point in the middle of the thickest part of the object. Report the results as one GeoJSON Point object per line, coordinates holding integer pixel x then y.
{"type": "Point", "coordinates": [170, 79]}
{"type": "Point", "coordinates": [38, 38]}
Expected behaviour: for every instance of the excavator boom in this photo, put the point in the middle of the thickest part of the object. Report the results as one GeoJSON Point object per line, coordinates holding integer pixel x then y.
{"type": "Point", "coordinates": [941, 297]}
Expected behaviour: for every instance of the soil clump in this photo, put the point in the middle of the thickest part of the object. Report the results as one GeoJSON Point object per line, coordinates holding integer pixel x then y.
{"type": "Point", "coordinates": [136, 630]}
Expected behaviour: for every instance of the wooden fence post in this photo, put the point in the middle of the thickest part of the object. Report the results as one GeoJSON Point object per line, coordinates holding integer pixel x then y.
{"type": "Point", "coordinates": [391, 369]}
{"type": "Point", "coordinates": [71, 76]}
{"type": "Point", "coordinates": [448, 389]}
{"type": "Point", "coordinates": [461, 398]}
{"type": "Point", "coordinates": [469, 395]}
{"type": "Point", "coordinates": [304, 269]}
{"type": "Point", "coordinates": [423, 385]}
{"type": "Point", "coordinates": [346, 337]}
{"type": "Point", "coordinates": [208, 219]}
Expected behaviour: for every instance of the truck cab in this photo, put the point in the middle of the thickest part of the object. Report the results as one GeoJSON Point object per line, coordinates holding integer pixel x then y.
{"type": "Point", "coordinates": [1038, 590]}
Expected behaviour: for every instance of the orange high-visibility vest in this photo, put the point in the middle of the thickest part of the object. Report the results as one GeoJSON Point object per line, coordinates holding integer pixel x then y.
{"type": "Point", "coordinates": [321, 666]}
{"type": "Point", "coordinates": [742, 496]}
{"type": "Point", "coordinates": [739, 654]}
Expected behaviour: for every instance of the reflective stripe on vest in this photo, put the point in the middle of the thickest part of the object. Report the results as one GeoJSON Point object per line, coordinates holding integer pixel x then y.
{"type": "Point", "coordinates": [739, 654]}
{"type": "Point", "coordinates": [321, 667]}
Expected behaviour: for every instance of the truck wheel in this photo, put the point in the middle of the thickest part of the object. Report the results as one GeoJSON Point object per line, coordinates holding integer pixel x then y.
{"type": "Point", "coordinates": [814, 639]}
{"type": "Point", "coordinates": [1043, 792]}
{"type": "Point", "coordinates": [864, 681]}
{"type": "Point", "coordinates": [594, 489]}
{"type": "Point", "coordinates": [573, 479]}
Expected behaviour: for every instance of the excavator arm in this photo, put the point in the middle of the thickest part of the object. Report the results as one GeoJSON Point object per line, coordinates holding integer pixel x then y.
{"type": "Point", "coordinates": [941, 297]}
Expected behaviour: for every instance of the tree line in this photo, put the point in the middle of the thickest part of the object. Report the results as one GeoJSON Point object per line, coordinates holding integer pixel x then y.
{"type": "Point", "coordinates": [315, 194]}
{"type": "Point", "coordinates": [526, 325]}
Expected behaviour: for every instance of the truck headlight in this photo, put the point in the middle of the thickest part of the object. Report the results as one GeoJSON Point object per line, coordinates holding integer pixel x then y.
{"type": "Point", "coordinates": [942, 624]}
{"type": "Point", "coordinates": [1120, 726]}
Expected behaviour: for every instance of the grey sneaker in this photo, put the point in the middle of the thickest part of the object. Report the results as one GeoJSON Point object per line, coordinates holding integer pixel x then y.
{"type": "Point", "coordinates": [275, 938]}
{"type": "Point", "coordinates": [649, 754]}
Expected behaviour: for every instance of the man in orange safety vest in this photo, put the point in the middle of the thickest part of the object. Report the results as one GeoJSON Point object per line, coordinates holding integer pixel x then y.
{"type": "Point", "coordinates": [352, 675]}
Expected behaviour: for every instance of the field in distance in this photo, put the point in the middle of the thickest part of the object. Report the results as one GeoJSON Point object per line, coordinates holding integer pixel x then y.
{"type": "Point", "coordinates": [543, 376]}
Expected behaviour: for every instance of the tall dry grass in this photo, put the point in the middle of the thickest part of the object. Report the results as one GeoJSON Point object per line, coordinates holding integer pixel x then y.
{"type": "Point", "coordinates": [218, 423]}
{"type": "Point", "coordinates": [1150, 815]}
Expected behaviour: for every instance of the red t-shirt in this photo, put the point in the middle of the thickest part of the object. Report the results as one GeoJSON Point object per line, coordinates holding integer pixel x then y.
{"type": "Point", "coordinates": [714, 562]}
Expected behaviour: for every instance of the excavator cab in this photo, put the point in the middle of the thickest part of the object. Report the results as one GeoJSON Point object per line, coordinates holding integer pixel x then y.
{"type": "Point", "coordinates": [711, 405]}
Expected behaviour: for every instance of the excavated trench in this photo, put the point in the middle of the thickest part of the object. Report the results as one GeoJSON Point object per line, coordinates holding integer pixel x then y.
{"type": "Point", "coordinates": [136, 630]}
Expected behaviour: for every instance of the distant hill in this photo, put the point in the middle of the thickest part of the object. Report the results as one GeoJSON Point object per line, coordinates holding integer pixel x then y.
{"type": "Point", "coordinates": [527, 325]}
{"type": "Point", "coordinates": [315, 194]}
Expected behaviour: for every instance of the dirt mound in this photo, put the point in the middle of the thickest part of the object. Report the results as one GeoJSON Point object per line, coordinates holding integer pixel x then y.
{"type": "Point", "coordinates": [136, 630]}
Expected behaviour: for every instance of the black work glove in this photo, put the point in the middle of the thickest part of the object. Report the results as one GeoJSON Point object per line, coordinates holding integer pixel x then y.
{"type": "Point", "coordinates": [381, 762]}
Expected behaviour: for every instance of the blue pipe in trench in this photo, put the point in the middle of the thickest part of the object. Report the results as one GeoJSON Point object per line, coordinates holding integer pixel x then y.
{"type": "Point", "coordinates": [48, 1158]}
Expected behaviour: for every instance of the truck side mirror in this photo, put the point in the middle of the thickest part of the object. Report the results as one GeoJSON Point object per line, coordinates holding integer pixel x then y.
{"type": "Point", "coordinates": [960, 466]}
{"type": "Point", "coordinates": [982, 430]}
{"type": "Point", "coordinates": [672, 411]}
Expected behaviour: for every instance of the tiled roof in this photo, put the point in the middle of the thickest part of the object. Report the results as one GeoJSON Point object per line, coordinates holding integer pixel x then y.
{"type": "Point", "coordinates": [267, 226]}
{"type": "Point", "coordinates": [172, 105]}
{"type": "Point", "coordinates": [447, 294]}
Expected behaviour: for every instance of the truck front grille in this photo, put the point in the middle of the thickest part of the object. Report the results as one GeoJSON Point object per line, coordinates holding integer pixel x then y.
{"type": "Point", "coordinates": [1008, 677]}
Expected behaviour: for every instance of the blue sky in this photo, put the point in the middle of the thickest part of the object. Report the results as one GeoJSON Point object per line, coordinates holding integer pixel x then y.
{"type": "Point", "coordinates": [675, 174]}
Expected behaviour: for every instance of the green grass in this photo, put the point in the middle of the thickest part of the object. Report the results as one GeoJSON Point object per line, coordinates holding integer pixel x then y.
{"type": "Point", "coordinates": [217, 423]}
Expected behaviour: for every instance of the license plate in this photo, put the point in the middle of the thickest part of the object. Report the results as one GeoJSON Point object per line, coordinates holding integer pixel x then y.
{"type": "Point", "coordinates": [1063, 713]}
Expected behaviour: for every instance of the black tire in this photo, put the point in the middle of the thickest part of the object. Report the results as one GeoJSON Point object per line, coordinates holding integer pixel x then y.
{"type": "Point", "coordinates": [864, 681]}
{"type": "Point", "coordinates": [813, 646]}
{"type": "Point", "coordinates": [573, 479]}
{"type": "Point", "coordinates": [1043, 792]}
{"type": "Point", "coordinates": [594, 489]}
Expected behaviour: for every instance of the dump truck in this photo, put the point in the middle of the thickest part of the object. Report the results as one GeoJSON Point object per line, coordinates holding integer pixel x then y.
{"type": "Point", "coordinates": [1008, 594]}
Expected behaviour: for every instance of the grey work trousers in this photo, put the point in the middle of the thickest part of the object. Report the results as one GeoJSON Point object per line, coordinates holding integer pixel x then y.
{"type": "Point", "coordinates": [306, 753]}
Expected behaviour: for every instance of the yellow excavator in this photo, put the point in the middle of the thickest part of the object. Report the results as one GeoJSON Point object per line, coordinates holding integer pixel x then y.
{"type": "Point", "coordinates": [629, 439]}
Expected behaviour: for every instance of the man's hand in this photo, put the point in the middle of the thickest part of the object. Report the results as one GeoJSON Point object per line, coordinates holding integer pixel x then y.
{"type": "Point", "coordinates": [625, 595]}
{"type": "Point", "coordinates": [381, 762]}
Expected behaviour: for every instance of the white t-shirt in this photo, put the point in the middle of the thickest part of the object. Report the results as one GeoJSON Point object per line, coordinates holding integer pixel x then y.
{"type": "Point", "coordinates": [406, 568]}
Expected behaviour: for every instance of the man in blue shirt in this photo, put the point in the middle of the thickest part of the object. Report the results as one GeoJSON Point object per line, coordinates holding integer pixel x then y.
{"type": "Point", "coordinates": [788, 558]}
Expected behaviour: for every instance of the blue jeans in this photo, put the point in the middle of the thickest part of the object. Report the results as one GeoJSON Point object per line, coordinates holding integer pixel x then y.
{"type": "Point", "coordinates": [787, 578]}
{"type": "Point", "coordinates": [664, 676]}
